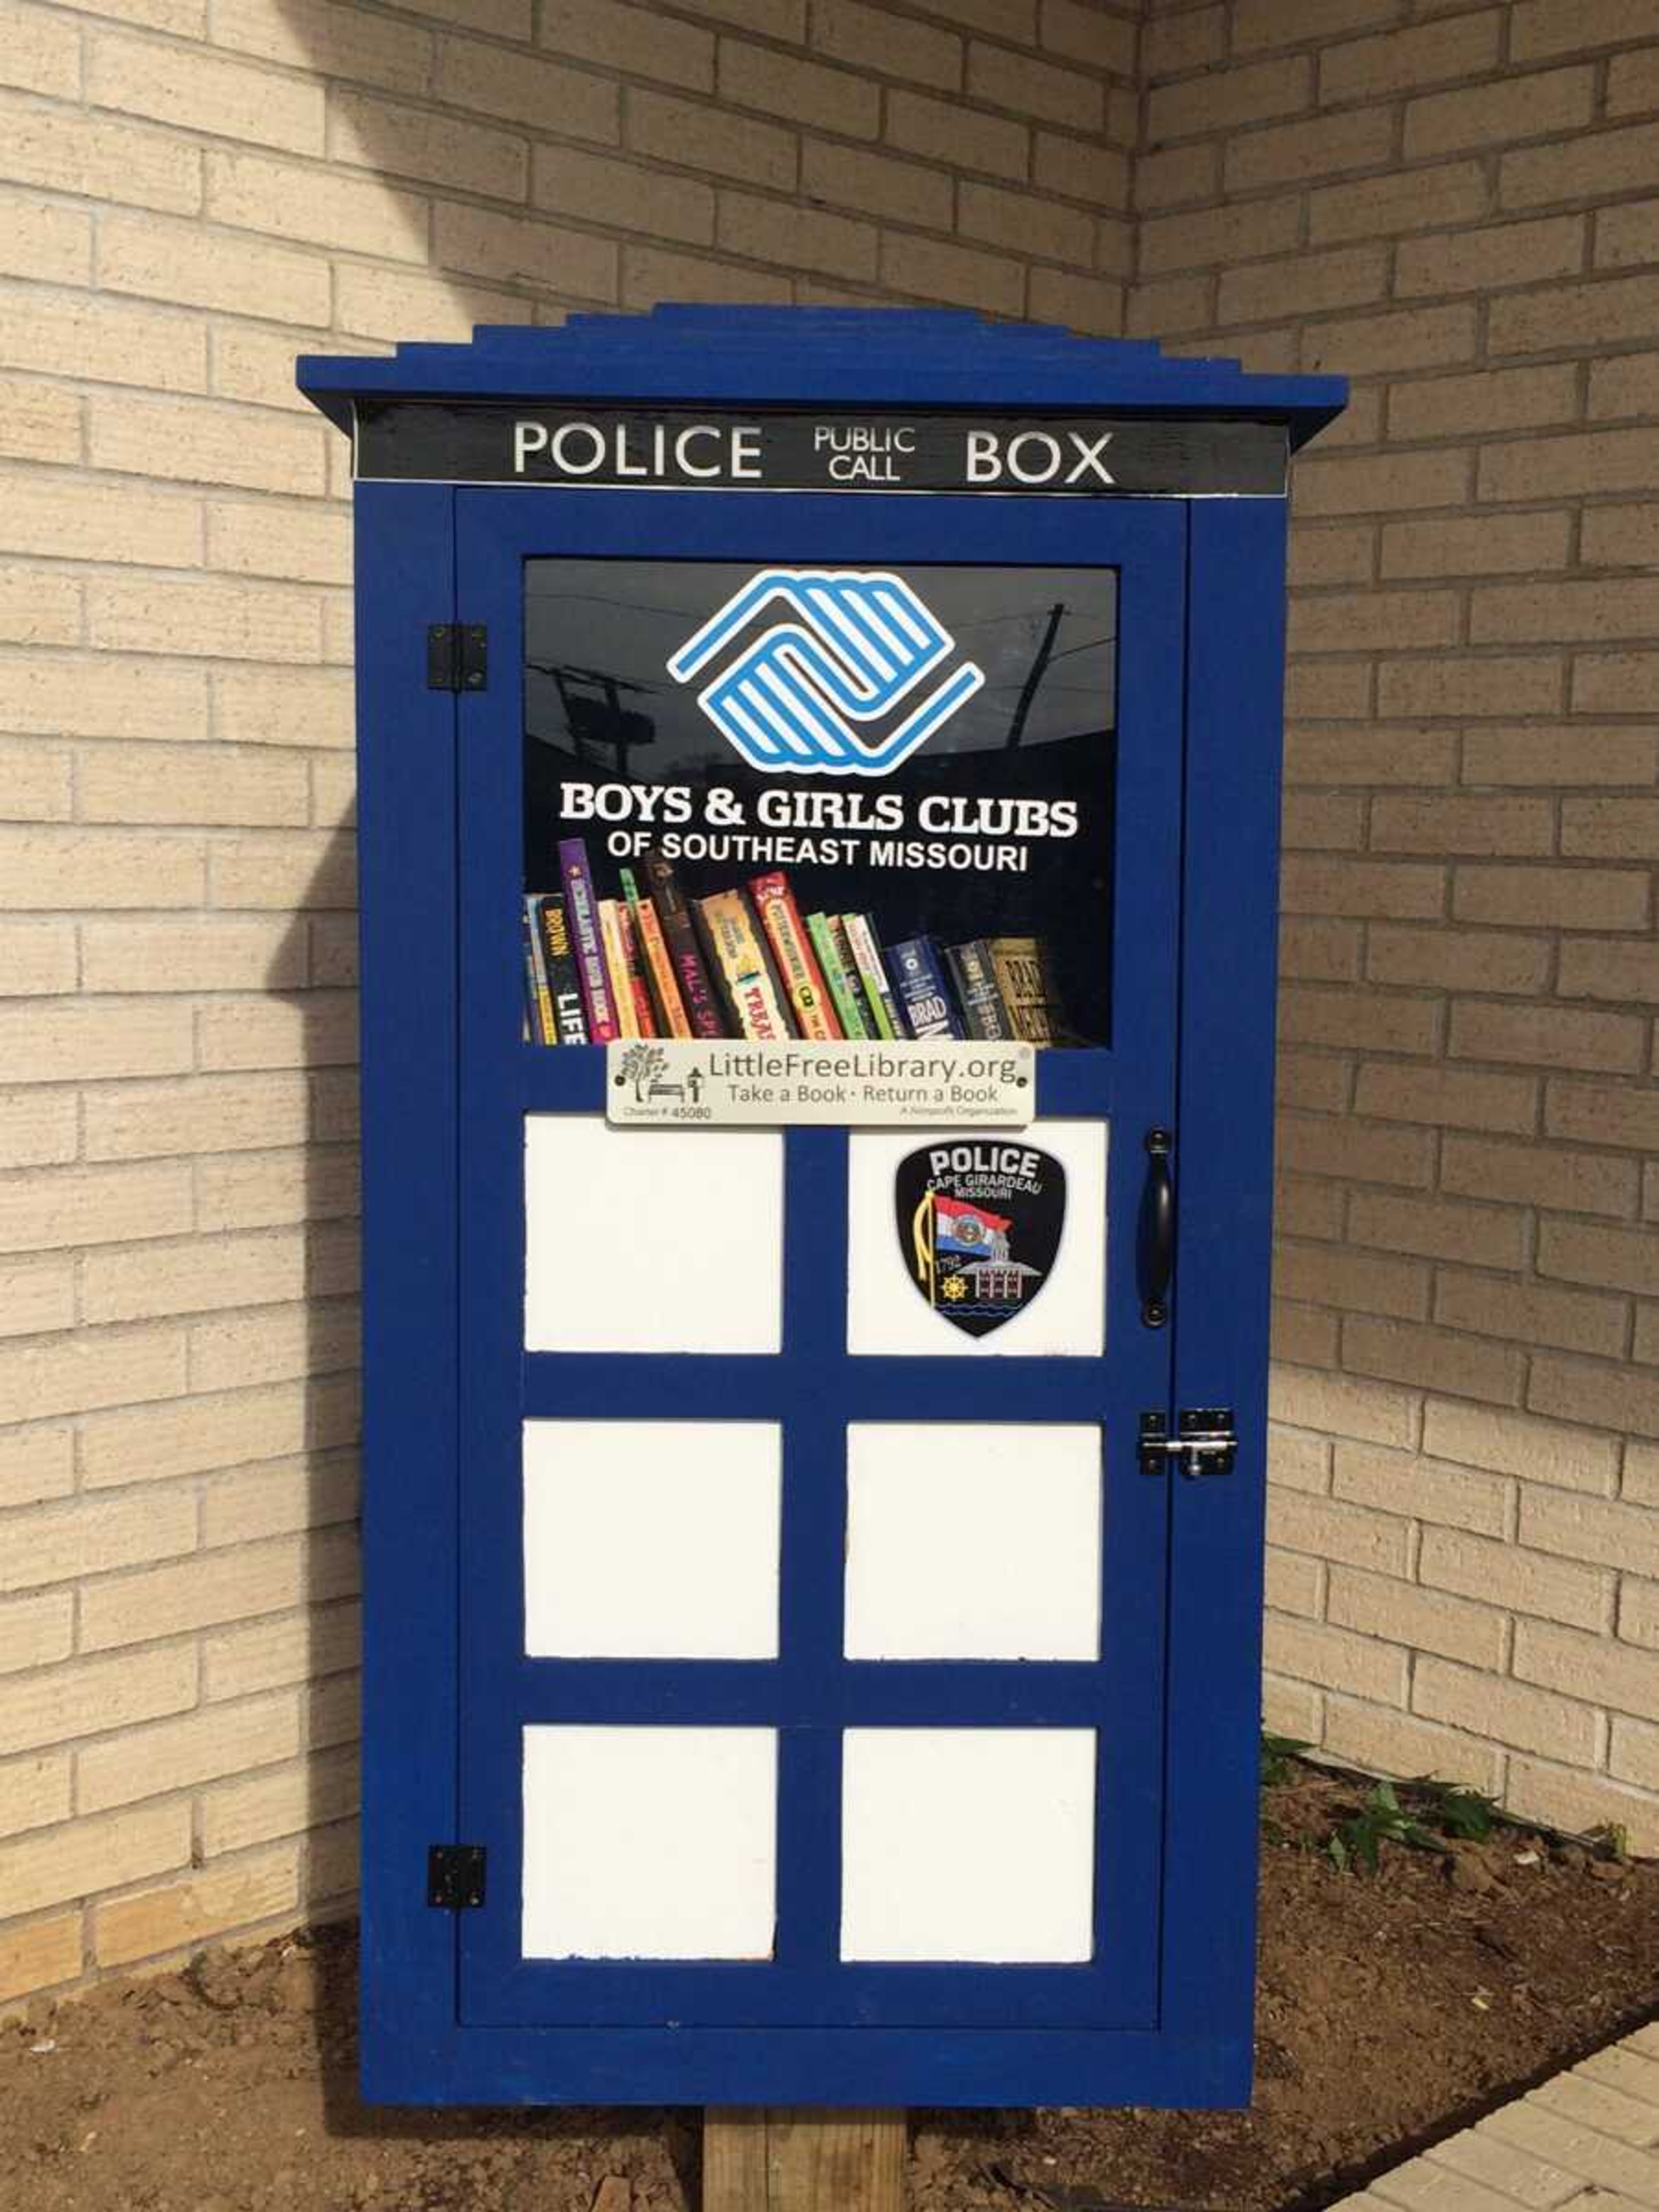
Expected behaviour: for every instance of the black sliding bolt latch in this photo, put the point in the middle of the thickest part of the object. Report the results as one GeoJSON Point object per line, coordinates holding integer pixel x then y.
{"type": "Point", "coordinates": [1205, 1441]}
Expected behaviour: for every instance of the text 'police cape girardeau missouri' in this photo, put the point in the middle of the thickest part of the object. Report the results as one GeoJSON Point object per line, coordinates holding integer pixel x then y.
{"type": "Point", "coordinates": [712, 449]}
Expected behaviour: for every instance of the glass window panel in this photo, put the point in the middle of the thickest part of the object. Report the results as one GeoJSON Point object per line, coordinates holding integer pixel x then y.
{"type": "Point", "coordinates": [927, 759]}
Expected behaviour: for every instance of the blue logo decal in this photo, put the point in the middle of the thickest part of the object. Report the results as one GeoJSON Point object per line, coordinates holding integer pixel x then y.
{"type": "Point", "coordinates": [852, 644]}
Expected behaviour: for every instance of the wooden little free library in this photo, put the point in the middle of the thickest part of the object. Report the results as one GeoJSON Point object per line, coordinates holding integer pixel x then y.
{"type": "Point", "coordinates": [813, 1536]}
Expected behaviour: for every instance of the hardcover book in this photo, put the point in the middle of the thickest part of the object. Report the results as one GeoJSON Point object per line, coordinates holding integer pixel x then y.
{"type": "Point", "coordinates": [667, 1003]}
{"type": "Point", "coordinates": [774, 903]}
{"type": "Point", "coordinates": [582, 914]}
{"type": "Point", "coordinates": [921, 989]}
{"type": "Point", "coordinates": [559, 966]}
{"type": "Point", "coordinates": [740, 961]}
{"type": "Point", "coordinates": [983, 1013]}
{"type": "Point", "coordinates": [1026, 982]}
{"type": "Point", "coordinates": [702, 1009]}
{"type": "Point", "coordinates": [885, 1012]}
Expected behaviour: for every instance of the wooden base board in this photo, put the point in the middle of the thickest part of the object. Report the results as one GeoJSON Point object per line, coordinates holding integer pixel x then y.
{"type": "Point", "coordinates": [798, 2159]}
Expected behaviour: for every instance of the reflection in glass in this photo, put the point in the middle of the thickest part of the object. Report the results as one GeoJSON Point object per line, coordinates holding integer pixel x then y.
{"type": "Point", "coordinates": [771, 802]}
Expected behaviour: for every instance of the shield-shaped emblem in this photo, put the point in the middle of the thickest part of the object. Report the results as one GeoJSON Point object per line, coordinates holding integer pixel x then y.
{"type": "Point", "coordinates": [979, 1222]}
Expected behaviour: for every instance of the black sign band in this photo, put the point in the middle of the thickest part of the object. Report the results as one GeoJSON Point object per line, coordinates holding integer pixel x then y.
{"type": "Point", "coordinates": [721, 449]}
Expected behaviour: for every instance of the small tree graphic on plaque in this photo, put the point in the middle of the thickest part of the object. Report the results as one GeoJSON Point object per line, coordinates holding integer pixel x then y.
{"type": "Point", "coordinates": [640, 1066]}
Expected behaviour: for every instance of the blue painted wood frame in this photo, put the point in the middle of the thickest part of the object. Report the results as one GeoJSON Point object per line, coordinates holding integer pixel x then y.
{"type": "Point", "coordinates": [1224, 1179]}
{"type": "Point", "coordinates": [811, 1691]}
{"type": "Point", "coordinates": [406, 843]}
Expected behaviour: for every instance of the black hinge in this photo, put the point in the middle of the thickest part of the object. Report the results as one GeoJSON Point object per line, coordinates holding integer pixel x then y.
{"type": "Point", "coordinates": [457, 656]}
{"type": "Point", "coordinates": [455, 1877]}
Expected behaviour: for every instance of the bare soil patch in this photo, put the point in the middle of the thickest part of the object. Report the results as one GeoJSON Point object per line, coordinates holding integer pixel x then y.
{"type": "Point", "coordinates": [1394, 2009]}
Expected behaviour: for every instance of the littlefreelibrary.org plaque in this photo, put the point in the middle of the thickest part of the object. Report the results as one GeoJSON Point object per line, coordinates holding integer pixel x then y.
{"type": "Point", "coordinates": [940, 1082]}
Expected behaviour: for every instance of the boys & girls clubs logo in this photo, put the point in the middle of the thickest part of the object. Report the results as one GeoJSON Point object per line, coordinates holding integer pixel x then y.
{"type": "Point", "coordinates": [845, 651]}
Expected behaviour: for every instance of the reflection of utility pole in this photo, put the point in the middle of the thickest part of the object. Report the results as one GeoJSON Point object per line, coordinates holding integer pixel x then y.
{"type": "Point", "coordinates": [1027, 691]}
{"type": "Point", "coordinates": [603, 720]}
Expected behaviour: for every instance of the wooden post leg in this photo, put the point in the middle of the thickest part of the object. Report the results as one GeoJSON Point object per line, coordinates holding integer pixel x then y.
{"type": "Point", "coordinates": [734, 2159]}
{"type": "Point", "coordinates": [790, 2159]}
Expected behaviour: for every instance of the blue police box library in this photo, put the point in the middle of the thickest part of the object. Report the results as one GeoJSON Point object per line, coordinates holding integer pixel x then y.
{"type": "Point", "coordinates": [819, 797]}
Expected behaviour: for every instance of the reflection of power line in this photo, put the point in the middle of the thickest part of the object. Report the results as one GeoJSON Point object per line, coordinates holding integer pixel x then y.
{"type": "Point", "coordinates": [622, 607]}
{"type": "Point", "coordinates": [571, 673]}
{"type": "Point", "coordinates": [1089, 644]}
{"type": "Point", "coordinates": [984, 621]}
{"type": "Point", "coordinates": [1024, 614]}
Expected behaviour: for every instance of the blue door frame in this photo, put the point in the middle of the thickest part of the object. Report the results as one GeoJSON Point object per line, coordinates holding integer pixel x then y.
{"type": "Point", "coordinates": [809, 1694]}
{"type": "Point", "coordinates": [450, 2014]}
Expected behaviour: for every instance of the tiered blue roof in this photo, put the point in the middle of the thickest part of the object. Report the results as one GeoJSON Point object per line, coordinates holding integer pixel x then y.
{"type": "Point", "coordinates": [807, 356]}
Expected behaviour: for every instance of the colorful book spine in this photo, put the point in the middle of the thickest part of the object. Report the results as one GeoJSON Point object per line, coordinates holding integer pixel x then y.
{"type": "Point", "coordinates": [582, 913]}
{"type": "Point", "coordinates": [538, 998]}
{"type": "Point", "coordinates": [735, 942]}
{"type": "Point", "coordinates": [1027, 987]}
{"type": "Point", "coordinates": [852, 988]}
{"type": "Point", "coordinates": [921, 989]}
{"type": "Point", "coordinates": [884, 1014]}
{"type": "Point", "coordinates": [559, 963]}
{"type": "Point", "coordinates": [649, 940]}
{"type": "Point", "coordinates": [983, 1013]}
{"type": "Point", "coordinates": [615, 968]}
{"type": "Point", "coordinates": [845, 1002]}
{"type": "Point", "coordinates": [634, 954]}
{"type": "Point", "coordinates": [792, 949]}
{"type": "Point", "coordinates": [702, 1009]}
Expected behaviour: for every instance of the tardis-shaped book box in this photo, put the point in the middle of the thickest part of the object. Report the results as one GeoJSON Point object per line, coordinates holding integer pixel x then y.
{"type": "Point", "coordinates": [819, 780]}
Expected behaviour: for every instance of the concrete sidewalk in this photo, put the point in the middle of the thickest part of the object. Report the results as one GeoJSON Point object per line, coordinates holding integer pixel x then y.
{"type": "Point", "coordinates": [1587, 2141]}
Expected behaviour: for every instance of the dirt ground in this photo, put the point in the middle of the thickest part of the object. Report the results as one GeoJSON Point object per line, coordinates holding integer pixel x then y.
{"type": "Point", "coordinates": [1394, 2007]}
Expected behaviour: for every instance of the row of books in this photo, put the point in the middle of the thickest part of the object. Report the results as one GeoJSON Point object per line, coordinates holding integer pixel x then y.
{"type": "Point", "coordinates": [744, 964]}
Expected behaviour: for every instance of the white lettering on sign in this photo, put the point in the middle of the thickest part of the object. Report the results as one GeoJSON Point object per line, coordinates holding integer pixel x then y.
{"type": "Point", "coordinates": [1089, 451]}
{"type": "Point", "coordinates": [982, 1159]}
{"type": "Point", "coordinates": [682, 450]}
{"type": "Point", "coordinates": [647, 451]}
{"type": "Point", "coordinates": [1037, 456]}
{"type": "Point", "coordinates": [864, 452]}
{"type": "Point", "coordinates": [567, 457]}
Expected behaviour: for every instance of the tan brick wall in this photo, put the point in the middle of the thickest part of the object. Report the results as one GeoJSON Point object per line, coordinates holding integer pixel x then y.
{"type": "Point", "coordinates": [1455, 206]}
{"type": "Point", "coordinates": [190, 192]}
{"type": "Point", "coordinates": [1454, 203]}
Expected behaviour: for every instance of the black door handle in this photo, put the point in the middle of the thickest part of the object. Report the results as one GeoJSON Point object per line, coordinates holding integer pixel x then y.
{"type": "Point", "coordinates": [1157, 1230]}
